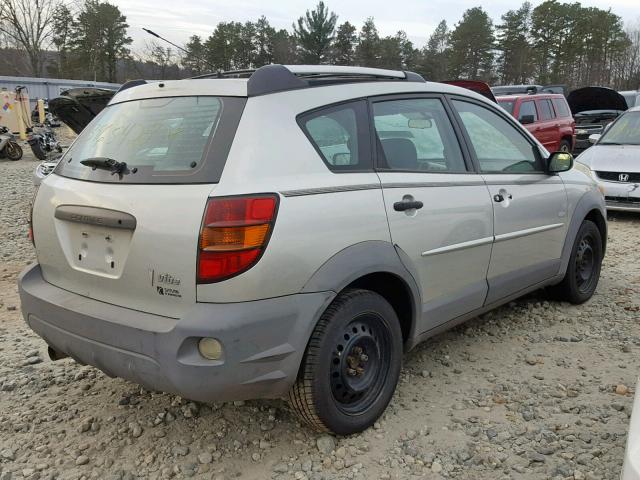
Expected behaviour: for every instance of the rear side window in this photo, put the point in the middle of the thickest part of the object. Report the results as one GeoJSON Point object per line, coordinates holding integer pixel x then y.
{"type": "Point", "coordinates": [340, 135]}
{"type": "Point", "coordinates": [161, 140]}
{"type": "Point", "coordinates": [546, 110]}
{"type": "Point", "coordinates": [528, 109]}
{"type": "Point", "coordinates": [507, 105]}
{"type": "Point", "coordinates": [562, 109]}
{"type": "Point", "coordinates": [416, 135]}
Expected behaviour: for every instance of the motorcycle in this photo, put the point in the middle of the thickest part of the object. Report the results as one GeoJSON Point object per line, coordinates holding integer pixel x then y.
{"type": "Point", "coordinates": [9, 148]}
{"type": "Point", "coordinates": [42, 142]}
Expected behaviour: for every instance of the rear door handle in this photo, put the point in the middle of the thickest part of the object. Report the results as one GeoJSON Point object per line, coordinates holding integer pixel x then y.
{"type": "Point", "coordinates": [407, 205]}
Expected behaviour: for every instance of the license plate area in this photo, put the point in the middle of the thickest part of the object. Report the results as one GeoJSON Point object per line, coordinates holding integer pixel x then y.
{"type": "Point", "coordinates": [94, 249]}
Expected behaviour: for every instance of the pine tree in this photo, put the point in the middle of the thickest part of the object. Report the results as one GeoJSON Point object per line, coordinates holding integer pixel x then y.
{"type": "Point", "coordinates": [344, 46]}
{"type": "Point", "coordinates": [514, 61]}
{"type": "Point", "coordinates": [472, 44]}
{"type": "Point", "coordinates": [314, 33]}
{"type": "Point", "coordinates": [368, 50]}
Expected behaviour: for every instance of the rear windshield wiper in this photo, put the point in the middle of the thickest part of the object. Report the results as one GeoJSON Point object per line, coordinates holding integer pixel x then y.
{"type": "Point", "coordinates": [105, 163]}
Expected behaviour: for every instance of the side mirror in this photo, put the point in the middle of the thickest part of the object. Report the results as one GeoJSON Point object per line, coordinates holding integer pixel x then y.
{"type": "Point", "coordinates": [526, 119]}
{"type": "Point", "coordinates": [559, 162]}
{"type": "Point", "coordinates": [594, 137]}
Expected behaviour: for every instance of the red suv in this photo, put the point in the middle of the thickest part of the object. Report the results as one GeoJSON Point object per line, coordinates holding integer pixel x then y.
{"type": "Point", "coordinates": [546, 116]}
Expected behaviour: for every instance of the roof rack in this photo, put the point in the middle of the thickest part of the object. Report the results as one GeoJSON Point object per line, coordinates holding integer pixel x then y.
{"type": "Point", "coordinates": [279, 78]}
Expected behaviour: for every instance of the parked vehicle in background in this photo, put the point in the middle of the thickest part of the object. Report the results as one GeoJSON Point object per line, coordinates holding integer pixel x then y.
{"type": "Point", "coordinates": [44, 169]}
{"type": "Point", "coordinates": [78, 106]}
{"type": "Point", "coordinates": [9, 148]}
{"type": "Point", "coordinates": [293, 232]}
{"type": "Point", "coordinates": [632, 98]}
{"type": "Point", "coordinates": [614, 161]}
{"type": "Point", "coordinates": [593, 108]}
{"type": "Point", "coordinates": [475, 86]}
{"type": "Point", "coordinates": [631, 468]}
{"type": "Point", "coordinates": [546, 116]}
{"type": "Point", "coordinates": [501, 90]}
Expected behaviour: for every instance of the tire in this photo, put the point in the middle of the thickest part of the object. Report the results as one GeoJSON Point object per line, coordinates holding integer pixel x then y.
{"type": "Point", "coordinates": [583, 272]}
{"type": "Point", "coordinates": [351, 365]}
{"type": "Point", "coordinates": [36, 148]}
{"type": "Point", "coordinates": [565, 146]}
{"type": "Point", "coordinates": [13, 151]}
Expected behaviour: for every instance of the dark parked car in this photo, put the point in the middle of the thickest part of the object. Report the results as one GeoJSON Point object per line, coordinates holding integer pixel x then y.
{"type": "Point", "coordinates": [546, 116]}
{"type": "Point", "coordinates": [594, 108]}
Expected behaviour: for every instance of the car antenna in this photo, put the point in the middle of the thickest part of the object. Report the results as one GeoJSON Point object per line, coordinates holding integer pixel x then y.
{"type": "Point", "coordinates": [150, 32]}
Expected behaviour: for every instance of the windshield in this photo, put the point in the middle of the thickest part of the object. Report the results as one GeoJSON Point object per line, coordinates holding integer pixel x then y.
{"type": "Point", "coordinates": [626, 131]}
{"type": "Point", "coordinates": [161, 140]}
{"type": "Point", "coordinates": [507, 105]}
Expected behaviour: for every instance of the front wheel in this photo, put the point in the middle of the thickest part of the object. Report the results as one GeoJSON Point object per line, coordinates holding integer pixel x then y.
{"type": "Point", "coordinates": [351, 365]}
{"type": "Point", "coordinates": [583, 272]}
{"type": "Point", "coordinates": [13, 151]}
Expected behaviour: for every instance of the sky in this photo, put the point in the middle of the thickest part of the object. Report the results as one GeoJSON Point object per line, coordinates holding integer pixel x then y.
{"type": "Point", "coordinates": [178, 20]}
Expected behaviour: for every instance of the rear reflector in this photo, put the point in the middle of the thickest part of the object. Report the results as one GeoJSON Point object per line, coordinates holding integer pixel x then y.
{"type": "Point", "coordinates": [234, 234]}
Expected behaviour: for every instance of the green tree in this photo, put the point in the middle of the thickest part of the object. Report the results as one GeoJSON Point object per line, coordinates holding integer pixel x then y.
{"type": "Point", "coordinates": [284, 47]}
{"type": "Point", "coordinates": [264, 42]}
{"type": "Point", "coordinates": [220, 45]}
{"type": "Point", "coordinates": [472, 44]}
{"type": "Point", "coordinates": [62, 26]}
{"type": "Point", "coordinates": [100, 39]}
{"type": "Point", "coordinates": [368, 51]}
{"type": "Point", "coordinates": [434, 57]}
{"type": "Point", "coordinates": [514, 60]}
{"type": "Point", "coordinates": [194, 58]}
{"type": "Point", "coordinates": [344, 46]}
{"type": "Point", "coordinates": [397, 52]}
{"type": "Point", "coordinates": [314, 33]}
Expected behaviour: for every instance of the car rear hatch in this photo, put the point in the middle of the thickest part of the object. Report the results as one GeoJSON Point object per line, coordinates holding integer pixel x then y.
{"type": "Point", "coordinates": [78, 106]}
{"type": "Point", "coordinates": [119, 219]}
{"type": "Point", "coordinates": [595, 98]}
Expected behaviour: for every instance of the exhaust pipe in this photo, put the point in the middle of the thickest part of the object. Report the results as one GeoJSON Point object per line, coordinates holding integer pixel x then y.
{"type": "Point", "coordinates": [55, 355]}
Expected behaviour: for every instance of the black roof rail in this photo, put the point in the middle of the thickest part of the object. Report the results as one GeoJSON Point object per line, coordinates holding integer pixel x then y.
{"type": "Point", "coordinates": [130, 84]}
{"type": "Point", "coordinates": [279, 78]}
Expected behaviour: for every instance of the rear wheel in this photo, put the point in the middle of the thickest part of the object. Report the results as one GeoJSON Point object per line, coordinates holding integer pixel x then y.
{"type": "Point", "coordinates": [351, 365]}
{"type": "Point", "coordinates": [13, 151]}
{"type": "Point", "coordinates": [565, 146]}
{"type": "Point", "coordinates": [583, 272]}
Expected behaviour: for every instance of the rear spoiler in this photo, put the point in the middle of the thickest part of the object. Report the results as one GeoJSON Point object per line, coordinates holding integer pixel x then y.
{"type": "Point", "coordinates": [475, 85]}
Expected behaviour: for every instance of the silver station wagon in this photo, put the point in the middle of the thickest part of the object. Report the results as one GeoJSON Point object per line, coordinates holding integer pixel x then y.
{"type": "Point", "coordinates": [291, 231]}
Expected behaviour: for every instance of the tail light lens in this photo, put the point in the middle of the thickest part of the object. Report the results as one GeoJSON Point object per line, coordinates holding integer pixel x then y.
{"type": "Point", "coordinates": [234, 234]}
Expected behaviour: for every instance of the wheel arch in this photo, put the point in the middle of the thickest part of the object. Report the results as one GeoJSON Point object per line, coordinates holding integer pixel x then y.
{"type": "Point", "coordinates": [375, 266]}
{"type": "Point", "coordinates": [589, 207]}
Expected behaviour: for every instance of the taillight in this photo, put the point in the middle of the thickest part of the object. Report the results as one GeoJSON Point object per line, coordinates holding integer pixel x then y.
{"type": "Point", "coordinates": [234, 234]}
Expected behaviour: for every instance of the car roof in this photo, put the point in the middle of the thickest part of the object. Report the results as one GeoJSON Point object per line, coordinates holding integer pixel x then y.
{"type": "Point", "coordinates": [532, 96]}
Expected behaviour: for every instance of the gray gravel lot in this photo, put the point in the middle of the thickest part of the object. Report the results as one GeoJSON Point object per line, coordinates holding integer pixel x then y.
{"type": "Point", "coordinates": [534, 390]}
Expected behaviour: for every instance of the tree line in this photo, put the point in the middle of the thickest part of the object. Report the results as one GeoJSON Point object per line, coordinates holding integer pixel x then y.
{"type": "Point", "coordinates": [553, 43]}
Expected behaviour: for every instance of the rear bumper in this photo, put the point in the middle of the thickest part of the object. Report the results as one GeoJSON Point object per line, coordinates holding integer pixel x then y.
{"type": "Point", "coordinates": [263, 340]}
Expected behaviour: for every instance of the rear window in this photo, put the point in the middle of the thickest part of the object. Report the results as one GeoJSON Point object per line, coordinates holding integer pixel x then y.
{"type": "Point", "coordinates": [161, 140]}
{"type": "Point", "coordinates": [562, 109]}
{"type": "Point", "coordinates": [528, 109]}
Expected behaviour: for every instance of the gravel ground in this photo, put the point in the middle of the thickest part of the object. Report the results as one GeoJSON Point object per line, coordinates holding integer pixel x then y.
{"type": "Point", "coordinates": [534, 390]}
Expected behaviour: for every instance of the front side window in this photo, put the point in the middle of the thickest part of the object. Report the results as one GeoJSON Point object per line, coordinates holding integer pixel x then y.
{"type": "Point", "coordinates": [546, 110]}
{"type": "Point", "coordinates": [528, 112]}
{"type": "Point", "coordinates": [161, 140]}
{"type": "Point", "coordinates": [499, 146]}
{"type": "Point", "coordinates": [340, 135]}
{"type": "Point", "coordinates": [416, 135]}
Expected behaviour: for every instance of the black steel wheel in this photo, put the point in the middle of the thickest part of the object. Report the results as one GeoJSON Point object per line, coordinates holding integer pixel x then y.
{"type": "Point", "coordinates": [351, 365]}
{"type": "Point", "coordinates": [583, 270]}
{"type": "Point", "coordinates": [13, 151]}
